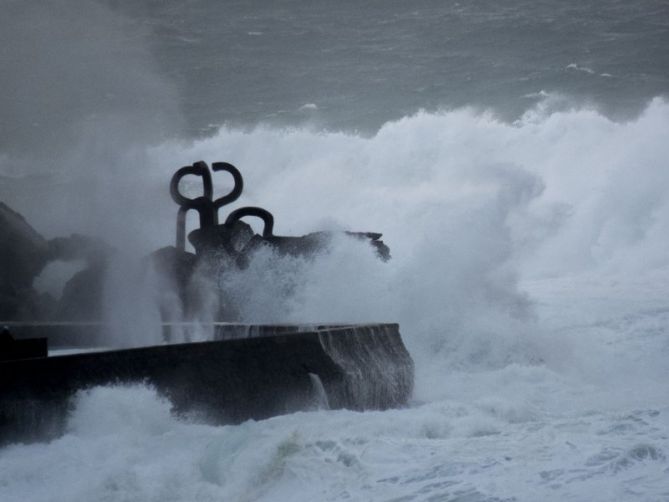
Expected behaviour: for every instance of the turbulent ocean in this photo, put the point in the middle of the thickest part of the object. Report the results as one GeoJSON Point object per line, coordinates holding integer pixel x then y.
{"type": "Point", "coordinates": [515, 156]}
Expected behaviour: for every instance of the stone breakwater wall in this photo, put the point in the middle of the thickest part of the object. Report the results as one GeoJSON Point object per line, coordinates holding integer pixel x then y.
{"type": "Point", "coordinates": [245, 372]}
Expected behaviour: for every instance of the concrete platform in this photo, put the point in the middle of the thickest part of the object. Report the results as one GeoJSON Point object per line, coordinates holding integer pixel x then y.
{"type": "Point", "coordinates": [245, 372]}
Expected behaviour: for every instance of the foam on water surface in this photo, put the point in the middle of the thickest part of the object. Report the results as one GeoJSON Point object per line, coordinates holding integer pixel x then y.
{"type": "Point", "coordinates": [123, 444]}
{"type": "Point", "coordinates": [530, 276]}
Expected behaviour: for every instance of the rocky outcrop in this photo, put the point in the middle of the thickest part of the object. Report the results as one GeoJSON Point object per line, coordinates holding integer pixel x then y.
{"type": "Point", "coordinates": [82, 298]}
{"type": "Point", "coordinates": [23, 255]}
{"type": "Point", "coordinates": [79, 247]}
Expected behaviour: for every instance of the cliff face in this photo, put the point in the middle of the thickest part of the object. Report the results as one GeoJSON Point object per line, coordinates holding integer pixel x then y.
{"type": "Point", "coordinates": [23, 255]}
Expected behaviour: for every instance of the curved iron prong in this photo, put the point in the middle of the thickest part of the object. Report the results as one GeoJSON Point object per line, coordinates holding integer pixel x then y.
{"type": "Point", "coordinates": [207, 219]}
{"type": "Point", "coordinates": [205, 209]}
{"type": "Point", "coordinates": [198, 169]}
{"type": "Point", "coordinates": [181, 229]}
{"type": "Point", "coordinates": [259, 212]}
{"type": "Point", "coordinates": [203, 204]}
{"type": "Point", "coordinates": [236, 189]}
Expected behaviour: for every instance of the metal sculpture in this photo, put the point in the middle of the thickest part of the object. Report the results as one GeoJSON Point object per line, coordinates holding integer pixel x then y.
{"type": "Point", "coordinates": [259, 212]}
{"type": "Point", "coordinates": [206, 207]}
{"type": "Point", "coordinates": [236, 239]}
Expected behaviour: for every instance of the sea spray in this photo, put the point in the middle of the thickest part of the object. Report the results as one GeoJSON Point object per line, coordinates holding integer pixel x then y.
{"type": "Point", "coordinates": [529, 269]}
{"type": "Point", "coordinates": [470, 206]}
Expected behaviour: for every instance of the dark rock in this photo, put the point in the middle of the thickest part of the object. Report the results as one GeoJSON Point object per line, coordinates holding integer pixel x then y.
{"type": "Point", "coordinates": [83, 295]}
{"type": "Point", "coordinates": [175, 268]}
{"type": "Point", "coordinates": [23, 251]}
{"type": "Point", "coordinates": [79, 247]}
{"type": "Point", "coordinates": [23, 255]}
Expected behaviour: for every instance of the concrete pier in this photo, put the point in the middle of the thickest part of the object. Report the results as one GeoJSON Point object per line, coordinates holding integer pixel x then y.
{"type": "Point", "coordinates": [245, 372]}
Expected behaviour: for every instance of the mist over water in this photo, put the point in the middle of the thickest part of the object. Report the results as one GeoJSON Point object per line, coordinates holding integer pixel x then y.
{"type": "Point", "coordinates": [80, 99]}
{"type": "Point", "coordinates": [477, 212]}
{"type": "Point", "coordinates": [523, 194]}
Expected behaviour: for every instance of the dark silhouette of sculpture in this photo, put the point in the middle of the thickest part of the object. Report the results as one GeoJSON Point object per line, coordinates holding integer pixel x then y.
{"type": "Point", "coordinates": [234, 237]}
{"type": "Point", "coordinates": [263, 214]}
{"type": "Point", "coordinates": [206, 207]}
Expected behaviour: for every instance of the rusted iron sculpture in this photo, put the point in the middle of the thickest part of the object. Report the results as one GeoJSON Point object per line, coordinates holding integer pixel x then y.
{"type": "Point", "coordinates": [206, 207]}
{"type": "Point", "coordinates": [241, 372]}
{"type": "Point", "coordinates": [214, 236]}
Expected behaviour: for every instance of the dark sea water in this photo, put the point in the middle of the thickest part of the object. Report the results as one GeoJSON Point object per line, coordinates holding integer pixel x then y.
{"type": "Point", "coordinates": [515, 156]}
{"type": "Point", "coordinates": [365, 63]}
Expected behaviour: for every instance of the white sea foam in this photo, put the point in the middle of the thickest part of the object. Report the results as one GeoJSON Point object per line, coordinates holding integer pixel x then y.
{"type": "Point", "coordinates": [576, 67]}
{"type": "Point", "coordinates": [529, 275]}
{"type": "Point", "coordinates": [123, 444]}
